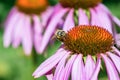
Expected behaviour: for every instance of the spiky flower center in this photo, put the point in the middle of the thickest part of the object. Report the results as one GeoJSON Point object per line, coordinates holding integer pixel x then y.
{"type": "Point", "coordinates": [79, 3]}
{"type": "Point", "coordinates": [88, 40]}
{"type": "Point", "coordinates": [32, 6]}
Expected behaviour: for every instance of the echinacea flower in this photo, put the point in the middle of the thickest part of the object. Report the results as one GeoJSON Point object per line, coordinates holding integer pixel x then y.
{"type": "Point", "coordinates": [26, 23]}
{"type": "Point", "coordinates": [81, 54]}
{"type": "Point", "coordinates": [80, 12]}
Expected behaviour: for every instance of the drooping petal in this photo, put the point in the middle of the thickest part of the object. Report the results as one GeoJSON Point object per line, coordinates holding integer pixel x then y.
{"type": "Point", "coordinates": [104, 19]}
{"type": "Point", "coordinates": [11, 14]}
{"type": "Point", "coordinates": [96, 70]}
{"type": "Point", "coordinates": [57, 8]}
{"type": "Point", "coordinates": [116, 51]}
{"type": "Point", "coordinates": [27, 36]}
{"type": "Point", "coordinates": [47, 65]}
{"type": "Point", "coordinates": [78, 71]}
{"type": "Point", "coordinates": [94, 18]}
{"type": "Point", "coordinates": [37, 24]}
{"type": "Point", "coordinates": [69, 22]}
{"type": "Point", "coordinates": [49, 13]}
{"type": "Point", "coordinates": [68, 67]}
{"type": "Point", "coordinates": [49, 77]}
{"type": "Point", "coordinates": [50, 29]}
{"type": "Point", "coordinates": [18, 31]}
{"type": "Point", "coordinates": [89, 67]}
{"type": "Point", "coordinates": [104, 8]}
{"type": "Point", "coordinates": [7, 38]}
{"type": "Point", "coordinates": [83, 19]}
{"type": "Point", "coordinates": [111, 70]}
{"type": "Point", "coordinates": [116, 60]}
{"type": "Point", "coordinates": [116, 20]}
{"type": "Point", "coordinates": [37, 33]}
{"type": "Point", "coordinates": [59, 72]}
{"type": "Point", "coordinates": [117, 40]}
{"type": "Point", "coordinates": [45, 16]}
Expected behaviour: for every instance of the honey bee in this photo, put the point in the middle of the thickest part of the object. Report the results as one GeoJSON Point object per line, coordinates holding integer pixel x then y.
{"type": "Point", "coordinates": [60, 35]}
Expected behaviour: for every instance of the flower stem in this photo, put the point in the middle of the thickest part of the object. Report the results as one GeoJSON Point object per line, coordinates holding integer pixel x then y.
{"type": "Point", "coordinates": [34, 57]}
{"type": "Point", "coordinates": [76, 17]}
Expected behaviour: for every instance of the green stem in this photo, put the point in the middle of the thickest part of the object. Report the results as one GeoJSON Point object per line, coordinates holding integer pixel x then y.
{"type": "Point", "coordinates": [34, 57]}
{"type": "Point", "coordinates": [76, 17]}
{"type": "Point", "coordinates": [87, 13]}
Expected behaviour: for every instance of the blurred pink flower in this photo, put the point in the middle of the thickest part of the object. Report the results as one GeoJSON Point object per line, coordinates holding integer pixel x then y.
{"type": "Point", "coordinates": [81, 55]}
{"type": "Point", "coordinates": [26, 25]}
{"type": "Point", "coordinates": [97, 15]}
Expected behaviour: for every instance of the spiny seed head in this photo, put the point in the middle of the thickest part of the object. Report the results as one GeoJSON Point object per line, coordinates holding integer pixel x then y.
{"type": "Point", "coordinates": [87, 39]}
{"type": "Point", "coordinates": [79, 3]}
{"type": "Point", "coordinates": [32, 6]}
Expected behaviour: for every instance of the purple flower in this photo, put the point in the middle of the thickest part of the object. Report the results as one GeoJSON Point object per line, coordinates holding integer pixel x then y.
{"type": "Point", "coordinates": [81, 55]}
{"type": "Point", "coordinates": [26, 23]}
{"type": "Point", "coordinates": [79, 12]}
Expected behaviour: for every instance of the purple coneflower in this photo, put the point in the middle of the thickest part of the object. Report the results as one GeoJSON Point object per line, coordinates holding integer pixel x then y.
{"type": "Point", "coordinates": [25, 24]}
{"type": "Point", "coordinates": [77, 12]}
{"type": "Point", "coordinates": [80, 56]}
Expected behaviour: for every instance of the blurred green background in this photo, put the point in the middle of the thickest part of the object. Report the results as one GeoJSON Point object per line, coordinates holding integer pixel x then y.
{"type": "Point", "coordinates": [14, 65]}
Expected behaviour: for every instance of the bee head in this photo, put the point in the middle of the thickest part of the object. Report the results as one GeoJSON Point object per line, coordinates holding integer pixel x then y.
{"type": "Point", "coordinates": [60, 34]}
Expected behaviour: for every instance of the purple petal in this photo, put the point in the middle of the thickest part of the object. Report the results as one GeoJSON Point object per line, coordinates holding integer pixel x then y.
{"type": "Point", "coordinates": [116, 50]}
{"type": "Point", "coordinates": [51, 28]}
{"type": "Point", "coordinates": [57, 8]}
{"type": "Point", "coordinates": [69, 22]}
{"type": "Point", "coordinates": [45, 16]}
{"type": "Point", "coordinates": [96, 70]}
{"type": "Point", "coordinates": [104, 19]}
{"type": "Point", "coordinates": [116, 60]}
{"type": "Point", "coordinates": [83, 19]}
{"type": "Point", "coordinates": [17, 36]}
{"type": "Point", "coordinates": [11, 14]}
{"type": "Point", "coordinates": [78, 72]}
{"type": "Point", "coordinates": [94, 18]}
{"type": "Point", "coordinates": [111, 70]}
{"type": "Point", "coordinates": [104, 8]}
{"type": "Point", "coordinates": [59, 72]}
{"type": "Point", "coordinates": [27, 36]}
{"type": "Point", "coordinates": [47, 65]}
{"type": "Point", "coordinates": [38, 28]}
{"type": "Point", "coordinates": [89, 67]}
{"type": "Point", "coordinates": [116, 20]}
{"type": "Point", "coordinates": [37, 42]}
{"type": "Point", "coordinates": [9, 30]}
{"type": "Point", "coordinates": [49, 77]}
{"type": "Point", "coordinates": [117, 40]}
{"type": "Point", "coordinates": [68, 67]}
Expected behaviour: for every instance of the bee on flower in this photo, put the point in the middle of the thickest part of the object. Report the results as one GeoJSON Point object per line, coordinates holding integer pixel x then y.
{"type": "Point", "coordinates": [80, 57]}
{"type": "Point", "coordinates": [81, 12]}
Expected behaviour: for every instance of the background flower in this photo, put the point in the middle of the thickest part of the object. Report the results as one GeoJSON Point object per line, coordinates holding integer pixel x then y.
{"type": "Point", "coordinates": [79, 12]}
{"type": "Point", "coordinates": [80, 56]}
{"type": "Point", "coordinates": [15, 65]}
{"type": "Point", "coordinates": [26, 23]}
